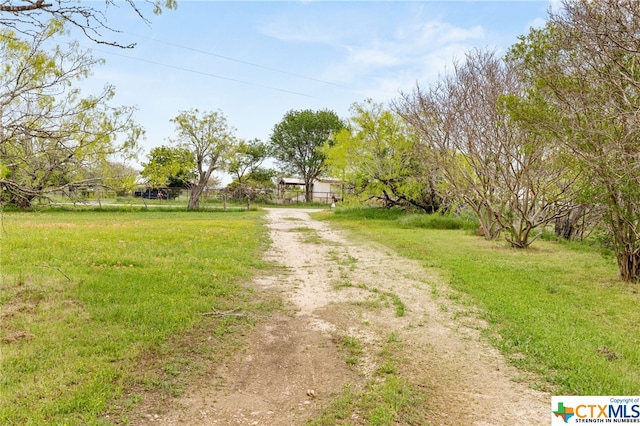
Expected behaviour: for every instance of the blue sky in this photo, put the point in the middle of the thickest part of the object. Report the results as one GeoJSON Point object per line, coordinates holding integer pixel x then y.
{"type": "Point", "coordinates": [256, 60]}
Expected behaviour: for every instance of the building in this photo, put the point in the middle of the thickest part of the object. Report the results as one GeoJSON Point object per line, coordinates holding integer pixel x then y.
{"type": "Point", "coordinates": [323, 190]}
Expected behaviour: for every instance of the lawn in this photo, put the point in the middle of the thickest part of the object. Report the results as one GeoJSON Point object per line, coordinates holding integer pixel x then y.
{"type": "Point", "coordinates": [558, 310]}
{"type": "Point", "coordinates": [90, 299]}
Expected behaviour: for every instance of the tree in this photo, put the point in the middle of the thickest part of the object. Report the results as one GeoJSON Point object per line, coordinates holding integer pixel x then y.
{"type": "Point", "coordinates": [583, 69]}
{"type": "Point", "coordinates": [168, 166]}
{"type": "Point", "coordinates": [245, 157]}
{"type": "Point", "coordinates": [117, 176]}
{"type": "Point", "coordinates": [509, 176]}
{"type": "Point", "coordinates": [33, 16]}
{"type": "Point", "coordinates": [380, 156]}
{"type": "Point", "coordinates": [208, 137]}
{"type": "Point", "coordinates": [296, 143]}
{"type": "Point", "coordinates": [244, 164]}
{"type": "Point", "coordinates": [50, 135]}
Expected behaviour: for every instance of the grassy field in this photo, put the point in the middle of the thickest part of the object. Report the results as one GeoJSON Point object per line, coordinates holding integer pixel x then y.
{"type": "Point", "coordinates": [92, 303]}
{"type": "Point", "coordinates": [556, 309]}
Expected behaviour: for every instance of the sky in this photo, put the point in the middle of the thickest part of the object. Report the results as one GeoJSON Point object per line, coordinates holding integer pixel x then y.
{"type": "Point", "coordinates": [256, 60]}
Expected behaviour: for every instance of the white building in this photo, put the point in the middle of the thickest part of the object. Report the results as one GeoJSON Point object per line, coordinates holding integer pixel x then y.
{"type": "Point", "coordinates": [291, 190]}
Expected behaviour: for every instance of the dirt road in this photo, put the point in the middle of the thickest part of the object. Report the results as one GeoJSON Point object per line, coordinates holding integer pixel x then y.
{"type": "Point", "coordinates": [334, 286]}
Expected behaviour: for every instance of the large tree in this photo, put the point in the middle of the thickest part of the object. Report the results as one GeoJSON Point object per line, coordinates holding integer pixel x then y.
{"type": "Point", "coordinates": [296, 143]}
{"type": "Point", "coordinates": [33, 16]}
{"type": "Point", "coordinates": [50, 134]}
{"type": "Point", "coordinates": [208, 136]}
{"type": "Point", "coordinates": [380, 156]}
{"type": "Point", "coordinates": [583, 67]}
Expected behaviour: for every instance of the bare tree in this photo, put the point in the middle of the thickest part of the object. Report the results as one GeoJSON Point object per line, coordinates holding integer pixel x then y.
{"type": "Point", "coordinates": [509, 177]}
{"type": "Point", "coordinates": [33, 16]}
{"type": "Point", "coordinates": [584, 67]}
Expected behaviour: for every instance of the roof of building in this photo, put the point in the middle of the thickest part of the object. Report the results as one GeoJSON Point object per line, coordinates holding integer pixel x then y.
{"type": "Point", "coordinates": [291, 181]}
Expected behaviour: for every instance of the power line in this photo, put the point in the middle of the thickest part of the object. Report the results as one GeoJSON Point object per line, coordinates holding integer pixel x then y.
{"type": "Point", "coordinates": [202, 73]}
{"type": "Point", "coordinates": [228, 58]}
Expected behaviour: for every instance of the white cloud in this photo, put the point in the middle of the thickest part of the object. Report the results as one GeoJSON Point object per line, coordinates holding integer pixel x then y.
{"type": "Point", "coordinates": [412, 53]}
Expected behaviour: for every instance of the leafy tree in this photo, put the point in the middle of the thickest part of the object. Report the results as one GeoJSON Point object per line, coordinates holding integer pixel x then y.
{"type": "Point", "coordinates": [50, 135]}
{"type": "Point", "coordinates": [583, 69]}
{"type": "Point", "coordinates": [249, 178]}
{"type": "Point", "coordinates": [117, 176]}
{"type": "Point", "coordinates": [209, 138]}
{"type": "Point", "coordinates": [34, 16]}
{"type": "Point", "coordinates": [245, 157]}
{"type": "Point", "coordinates": [296, 143]}
{"type": "Point", "coordinates": [380, 156]}
{"type": "Point", "coordinates": [172, 167]}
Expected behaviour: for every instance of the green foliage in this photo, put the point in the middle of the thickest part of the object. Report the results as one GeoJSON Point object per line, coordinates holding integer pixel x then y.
{"type": "Point", "coordinates": [364, 213]}
{"type": "Point", "coordinates": [246, 157]}
{"type": "Point", "coordinates": [250, 179]}
{"type": "Point", "coordinates": [91, 302]}
{"type": "Point", "coordinates": [114, 176]}
{"type": "Point", "coordinates": [51, 137]}
{"type": "Point", "coordinates": [437, 221]}
{"type": "Point", "coordinates": [173, 167]}
{"type": "Point", "coordinates": [379, 156]}
{"type": "Point", "coordinates": [297, 140]}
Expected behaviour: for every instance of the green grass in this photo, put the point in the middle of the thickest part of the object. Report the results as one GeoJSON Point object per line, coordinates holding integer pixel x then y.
{"type": "Point", "coordinates": [92, 301]}
{"type": "Point", "coordinates": [436, 221]}
{"type": "Point", "coordinates": [555, 309]}
{"type": "Point", "coordinates": [353, 348]}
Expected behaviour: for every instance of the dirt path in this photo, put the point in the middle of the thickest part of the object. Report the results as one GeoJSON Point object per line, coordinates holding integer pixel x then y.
{"type": "Point", "coordinates": [334, 285]}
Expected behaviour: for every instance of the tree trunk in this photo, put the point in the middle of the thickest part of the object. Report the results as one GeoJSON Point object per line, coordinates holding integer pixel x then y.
{"type": "Point", "coordinates": [489, 227]}
{"type": "Point", "coordinates": [194, 198]}
{"type": "Point", "coordinates": [22, 201]}
{"type": "Point", "coordinates": [567, 226]}
{"type": "Point", "coordinates": [629, 265]}
{"type": "Point", "coordinates": [308, 191]}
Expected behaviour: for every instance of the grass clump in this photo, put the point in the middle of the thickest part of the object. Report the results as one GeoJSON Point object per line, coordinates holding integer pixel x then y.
{"type": "Point", "coordinates": [353, 348]}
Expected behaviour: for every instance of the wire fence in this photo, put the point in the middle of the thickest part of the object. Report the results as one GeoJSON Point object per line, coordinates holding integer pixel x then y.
{"type": "Point", "coordinates": [98, 194]}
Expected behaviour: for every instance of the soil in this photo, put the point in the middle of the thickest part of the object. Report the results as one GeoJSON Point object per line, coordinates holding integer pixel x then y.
{"type": "Point", "coordinates": [294, 365]}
